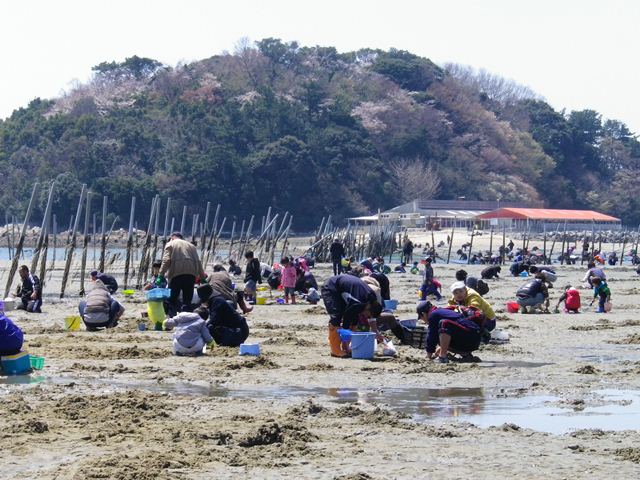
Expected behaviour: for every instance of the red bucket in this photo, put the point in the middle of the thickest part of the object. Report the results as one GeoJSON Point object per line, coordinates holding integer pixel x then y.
{"type": "Point", "coordinates": [513, 307]}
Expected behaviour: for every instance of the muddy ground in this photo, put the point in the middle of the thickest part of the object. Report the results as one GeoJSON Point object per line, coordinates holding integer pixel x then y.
{"type": "Point", "coordinates": [119, 405]}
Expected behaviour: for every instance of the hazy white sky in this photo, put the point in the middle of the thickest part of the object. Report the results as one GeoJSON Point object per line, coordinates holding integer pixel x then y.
{"type": "Point", "coordinates": [576, 53]}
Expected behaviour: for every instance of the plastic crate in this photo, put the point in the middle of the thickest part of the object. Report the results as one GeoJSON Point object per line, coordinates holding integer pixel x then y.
{"type": "Point", "coordinates": [416, 337]}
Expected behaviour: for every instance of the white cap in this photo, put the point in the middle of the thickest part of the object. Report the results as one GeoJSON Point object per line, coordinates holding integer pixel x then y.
{"type": "Point", "coordinates": [457, 286]}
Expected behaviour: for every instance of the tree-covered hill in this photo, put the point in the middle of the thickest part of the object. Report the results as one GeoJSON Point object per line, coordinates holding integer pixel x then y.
{"type": "Point", "coordinates": [314, 132]}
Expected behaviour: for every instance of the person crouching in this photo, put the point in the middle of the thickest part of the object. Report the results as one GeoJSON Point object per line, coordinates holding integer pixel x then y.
{"type": "Point", "coordinates": [455, 329]}
{"type": "Point", "coordinates": [100, 309]}
{"type": "Point", "coordinates": [191, 333]}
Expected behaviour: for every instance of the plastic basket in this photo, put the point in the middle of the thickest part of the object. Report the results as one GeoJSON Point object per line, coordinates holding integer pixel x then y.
{"type": "Point", "coordinates": [416, 337]}
{"type": "Point", "coordinates": [37, 363]}
{"type": "Point", "coordinates": [261, 301]}
{"type": "Point", "coordinates": [158, 294]}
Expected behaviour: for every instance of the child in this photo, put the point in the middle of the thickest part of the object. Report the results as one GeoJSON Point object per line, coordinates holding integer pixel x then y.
{"type": "Point", "coordinates": [191, 334]}
{"type": "Point", "coordinates": [11, 337]}
{"type": "Point", "coordinates": [600, 289]}
{"type": "Point", "coordinates": [415, 270]}
{"type": "Point", "coordinates": [431, 287]}
{"type": "Point", "coordinates": [571, 299]}
{"type": "Point", "coordinates": [156, 280]}
{"type": "Point", "coordinates": [252, 276]}
{"type": "Point", "coordinates": [288, 279]}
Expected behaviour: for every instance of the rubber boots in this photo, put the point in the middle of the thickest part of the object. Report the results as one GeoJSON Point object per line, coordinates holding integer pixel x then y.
{"type": "Point", "coordinates": [335, 343]}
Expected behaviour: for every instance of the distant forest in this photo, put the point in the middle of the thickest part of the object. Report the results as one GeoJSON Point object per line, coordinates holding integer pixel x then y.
{"type": "Point", "coordinates": [313, 132]}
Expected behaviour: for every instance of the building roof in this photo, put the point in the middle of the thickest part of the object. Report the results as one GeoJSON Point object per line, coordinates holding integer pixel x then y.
{"type": "Point", "coordinates": [461, 209]}
{"type": "Point", "coordinates": [548, 214]}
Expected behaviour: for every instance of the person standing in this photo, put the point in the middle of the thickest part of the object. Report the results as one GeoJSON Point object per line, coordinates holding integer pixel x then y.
{"type": "Point", "coordinates": [252, 276]}
{"type": "Point", "coordinates": [288, 279]}
{"type": "Point", "coordinates": [337, 253]}
{"type": "Point", "coordinates": [181, 265]}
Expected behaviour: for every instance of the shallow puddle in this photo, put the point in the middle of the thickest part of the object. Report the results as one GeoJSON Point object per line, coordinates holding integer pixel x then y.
{"type": "Point", "coordinates": [612, 410]}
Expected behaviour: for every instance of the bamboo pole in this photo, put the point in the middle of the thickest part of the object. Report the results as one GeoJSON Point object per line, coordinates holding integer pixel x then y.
{"type": "Point", "coordinates": [71, 244]}
{"type": "Point", "coordinates": [55, 243]}
{"type": "Point", "coordinates": [233, 232]}
{"type": "Point", "coordinates": [503, 260]}
{"type": "Point", "coordinates": [129, 242]}
{"type": "Point", "coordinates": [38, 246]}
{"type": "Point", "coordinates": [453, 230]}
{"type": "Point", "coordinates": [85, 244]}
{"type": "Point", "coordinates": [184, 219]}
{"type": "Point", "coordinates": [18, 251]}
{"type": "Point", "coordinates": [156, 226]}
{"type": "Point", "coordinates": [144, 258]}
{"type": "Point", "coordinates": [624, 244]}
{"type": "Point", "coordinates": [103, 235]}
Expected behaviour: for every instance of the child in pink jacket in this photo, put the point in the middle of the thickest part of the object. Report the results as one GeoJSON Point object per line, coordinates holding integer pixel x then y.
{"type": "Point", "coordinates": [288, 279]}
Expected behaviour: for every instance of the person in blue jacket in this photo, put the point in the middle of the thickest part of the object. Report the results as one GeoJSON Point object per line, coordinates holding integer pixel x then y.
{"type": "Point", "coordinates": [11, 337]}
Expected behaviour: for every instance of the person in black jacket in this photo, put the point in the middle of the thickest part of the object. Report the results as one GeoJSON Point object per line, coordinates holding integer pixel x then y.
{"type": "Point", "coordinates": [108, 280]}
{"type": "Point", "coordinates": [337, 253]}
{"type": "Point", "coordinates": [227, 327]}
{"type": "Point", "coordinates": [252, 276]}
{"type": "Point", "coordinates": [30, 292]}
{"type": "Point", "coordinates": [490, 272]}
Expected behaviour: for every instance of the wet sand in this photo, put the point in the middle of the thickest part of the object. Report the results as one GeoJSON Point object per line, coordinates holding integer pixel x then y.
{"type": "Point", "coordinates": [118, 405]}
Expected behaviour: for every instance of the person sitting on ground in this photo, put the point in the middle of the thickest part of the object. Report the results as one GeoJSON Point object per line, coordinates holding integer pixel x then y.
{"type": "Point", "coordinates": [613, 259]}
{"type": "Point", "coordinates": [461, 254]}
{"type": "Point", "coordinates": [593, 272]}
{"type": "Point", "coordinates": [533, 294]}
{"type": "Point", "coordinates": [602, 293]}
{"type": "Point", "coordinates": [227, 327]}
{"type": "Point", "coordinates": [30, 292]}
{"type": "Point", "coordinates": [252, 276]}
{"type": "Point", "coordinates": [415, 269]}
{"type": "Point", "coordinates": [100, 309]}
{"type": "Point", "coordinates": [288, 279]}
{"type": "Point", "coordinates": [457, 329]}
{"type": "Point", "coordinates": [638, 270]}
{"type": "Point", "coordinates": [468, 297]}
{"type": "Point", "coordinates": [107, 280]}
{"type": "Point", "coordinates": [11, 337]}
{"type": "Point", "coordinates": [571, 299]}
{"type": "Point", "coordinates": [191, 333]}
{"type": "Point", "coordinates": [400, 268]}
{"type": "Point", "coordinates": [234, 269]}
{"type": "Point", "coordinates": [348, 299]}
{"type": "Point", "coordinates": [479, 286]}
{"type": "Point", "coordinates": [431, 287]}
{"type": "Point", "coordinates": [156, 280]}
{"type": "Point", "coordinates": [367, 264]}
{"type": "Point", "coordinates": [491, 272]}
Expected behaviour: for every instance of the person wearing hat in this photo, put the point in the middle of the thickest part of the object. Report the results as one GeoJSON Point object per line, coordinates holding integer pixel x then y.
{"type": "Point", "coordinates": [455, 329]}
{"type": "Point", "coordinates": [181, 265]}
{"type": "Point", "coordinates": [571, 299]}
{"type": "Point", "coordinates": [107, 280]}
{"type": "Point", "coordinates": [468, 297]}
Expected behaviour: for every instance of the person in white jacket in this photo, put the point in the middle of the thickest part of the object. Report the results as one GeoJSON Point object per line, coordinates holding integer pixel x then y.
{"type": "Point", "coordinates": [191, 333]}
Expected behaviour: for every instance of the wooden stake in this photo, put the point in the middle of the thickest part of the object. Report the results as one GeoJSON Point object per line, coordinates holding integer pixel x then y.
{"type": "Point", "coordinates": [71, 244]}
{"type": "Point", "coordinates": [85, 244]}
{"type": "Point", "coordinates": [129, 242]}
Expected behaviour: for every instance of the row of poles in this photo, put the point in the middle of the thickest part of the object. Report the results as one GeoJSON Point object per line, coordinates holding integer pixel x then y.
{"type": "Point", "coordinates": [273, 234]}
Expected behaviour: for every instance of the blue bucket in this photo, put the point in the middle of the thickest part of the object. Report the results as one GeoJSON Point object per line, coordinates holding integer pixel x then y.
{"type": "Point", "coordinates": [390, 305]}
{"type": "Point", "coordinates": [345, 335]}
{"type": "Point", "coordinates": [363, 345]}
{"type": "Point", "coordinates": [158, 294]}
{"type": "Point", "coordinates": [524, 273]}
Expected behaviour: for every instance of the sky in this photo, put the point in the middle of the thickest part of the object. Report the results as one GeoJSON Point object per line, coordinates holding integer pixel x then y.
{"type": "Point", "coordinates": [577, 54]}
